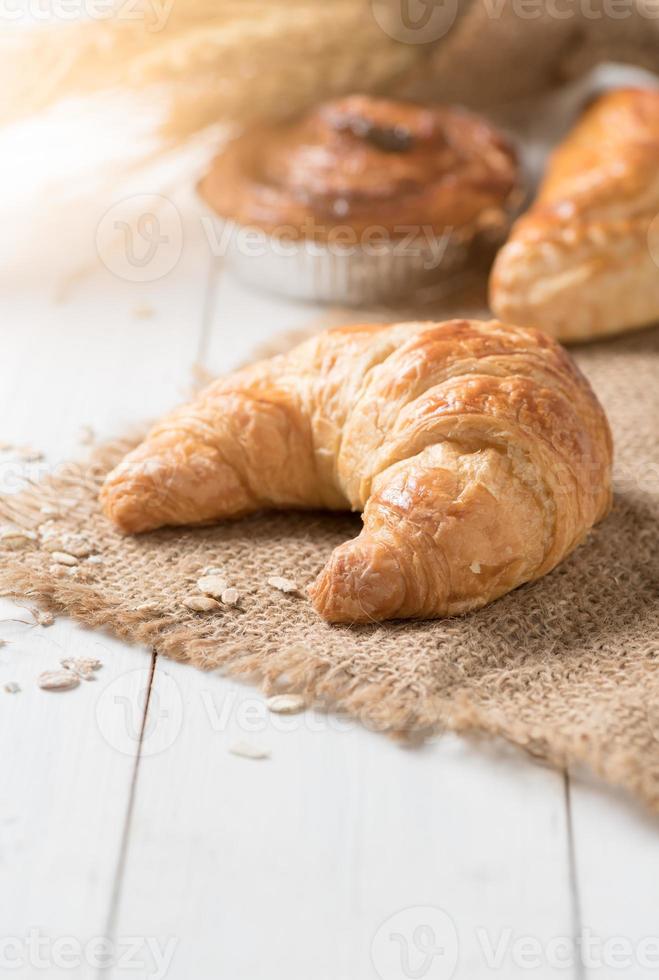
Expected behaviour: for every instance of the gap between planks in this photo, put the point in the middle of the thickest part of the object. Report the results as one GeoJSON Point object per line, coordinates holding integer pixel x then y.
{"type": "Point", "coordinates": [573, 878]}
{"type": "Point", "coordinates": [115, 896]}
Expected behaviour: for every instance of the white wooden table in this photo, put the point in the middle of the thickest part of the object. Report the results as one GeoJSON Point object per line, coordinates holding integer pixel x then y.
{"type": "Point", "coordinates": [343, 856]}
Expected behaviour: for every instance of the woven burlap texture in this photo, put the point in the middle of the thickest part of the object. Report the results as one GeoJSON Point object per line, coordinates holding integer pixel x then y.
{"type": "Point", "coordinates": [566, 667]}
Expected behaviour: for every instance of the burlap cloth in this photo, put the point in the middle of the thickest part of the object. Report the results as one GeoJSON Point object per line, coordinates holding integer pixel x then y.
{"type": "Point", "coordinates": [567, 667]}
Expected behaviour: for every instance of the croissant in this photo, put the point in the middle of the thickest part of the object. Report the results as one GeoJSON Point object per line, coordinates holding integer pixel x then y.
{"type": "Point", "coordinates": [477, 453]}
{"type": "Point", "coordinates": [582, 261]}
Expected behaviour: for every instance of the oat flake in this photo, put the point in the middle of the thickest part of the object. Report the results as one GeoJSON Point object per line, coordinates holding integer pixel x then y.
{"type": "Point", "coordinates": [286, 704]}
{"type": "Point", "coordinates": [213, 585]}
{"type": "Point", "coordinates": [283, 584]}
{"type": "Point", "coordinates": [13, 538]}
{"type": "Point", "coordinates": [64, 558]}
{"type": "Point", "coordinates": [58, 680]}
{"type": "Point", "coordinates": [201, 603]}
{"type": "Point", "coordinates": [248, 750]}
{"type": "Point", "coordinates": [83, 667]}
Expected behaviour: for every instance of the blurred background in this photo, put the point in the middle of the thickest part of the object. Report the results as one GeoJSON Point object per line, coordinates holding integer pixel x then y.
{"type": "Point", "coordinates": [102, 100]}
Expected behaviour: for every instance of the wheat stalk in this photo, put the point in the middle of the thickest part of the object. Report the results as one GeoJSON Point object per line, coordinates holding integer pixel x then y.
{"type": "Point", "coordinates": [209, 62]}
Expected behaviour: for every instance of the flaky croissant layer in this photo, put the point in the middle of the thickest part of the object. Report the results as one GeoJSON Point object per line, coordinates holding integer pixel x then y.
{"type": "Point", "coordinates": [476, 452]}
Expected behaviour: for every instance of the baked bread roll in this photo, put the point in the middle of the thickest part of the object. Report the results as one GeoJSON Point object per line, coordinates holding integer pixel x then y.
{"type": "Point", "coordinates": [362, 163]}
{"type": "Point", "coordinates": [360, 200]}
{"type": "Point", "coordinates": [477, 453]}
{"type": "Point", "coordinates": [580, 263]}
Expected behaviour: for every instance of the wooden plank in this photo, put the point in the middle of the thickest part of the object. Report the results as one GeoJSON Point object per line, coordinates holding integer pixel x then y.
{"type": "Point", "coordinates": [244, 318]}
{"type": "Point", "coordinates": [303, 864]}
{"type": "Point", "coordinates": [65, 786]}
{"type": "Point", "coordinates": [289, 866]}
{"type": "Point", "coordinates": [617, 878]}
{"type": "Point", "coordinates": [112, 353]}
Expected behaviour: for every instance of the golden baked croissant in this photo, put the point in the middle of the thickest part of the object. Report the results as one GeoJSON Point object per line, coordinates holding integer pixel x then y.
{"type": "Point", "coordinates": [579, 263]}
{"type": "Point", "coordinates": [477, 452]}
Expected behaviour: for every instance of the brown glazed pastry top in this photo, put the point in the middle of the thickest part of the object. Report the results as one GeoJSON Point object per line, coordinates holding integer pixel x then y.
{"type": "Point", "coordinates": [611, 154]}
{"type": "Point", "coordinates": [360, 162]}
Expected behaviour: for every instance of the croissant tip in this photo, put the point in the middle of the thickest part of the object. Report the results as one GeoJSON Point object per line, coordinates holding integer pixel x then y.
{"type": "Point", "coordinates": [122, 508]}
{"type": "Point", "coordinates": [361, 583]}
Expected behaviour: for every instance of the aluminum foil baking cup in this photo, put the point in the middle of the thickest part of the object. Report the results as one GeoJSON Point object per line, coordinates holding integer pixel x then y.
{"type": "Point", "coordinates": [346, 270]}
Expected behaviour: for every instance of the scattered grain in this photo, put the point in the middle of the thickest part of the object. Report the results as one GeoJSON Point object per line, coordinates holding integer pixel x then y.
{"type": "Point", "coordinates": [148, 607]}
{"type": "Point", "coordinates": [83, 667]}
{"type": "Point", "coordinates": [283, 584]}
{"type": "Point", "coordinates": [248, 750]}
{"type": "Point", "coordinates": [58, 680]}
{"type": "Point", "coordinates": [71, 544]}
{"type": "Point", "coordinates": [230, 597]}
{"type": "Point", "coordinates": [286, 704]}
{"type": "Point", "coordinates": [44, 617]}
{"type": "Point", "coordinates": [64, 558]}
{"type": "Point", "coordinates": [14, 538]}
{"type": "Point", "coordinates": [59, 570]}
{"type": "Point", "coordinates": [11, 687]}
{"type": "Point", "coordinates": [77, 545]}
{"type": "Point", "coordinates": [201, 603]}
{"type": "Point", "coordinates": [213, 585]}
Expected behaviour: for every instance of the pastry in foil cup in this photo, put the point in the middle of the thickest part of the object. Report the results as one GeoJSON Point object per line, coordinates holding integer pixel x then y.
{"type": "Point", "coordinates": [361, 200]}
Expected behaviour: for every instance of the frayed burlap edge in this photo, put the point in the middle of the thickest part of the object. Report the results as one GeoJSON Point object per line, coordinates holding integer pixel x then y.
{"type": "Point", "coordinates": [381, 705]}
